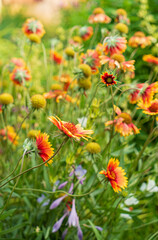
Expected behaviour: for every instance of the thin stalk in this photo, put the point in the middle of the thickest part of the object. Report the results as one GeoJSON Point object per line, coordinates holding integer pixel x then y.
{"type": "Point", "coordinates": [37, 166]}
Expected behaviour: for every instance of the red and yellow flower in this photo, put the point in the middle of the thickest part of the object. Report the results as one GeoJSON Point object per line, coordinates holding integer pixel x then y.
{"type": "Point", "coordinates": [10, 134]}
{"type": "Point", "coordinates": [86, 32]}
{"type": "Point", "coordinates": [108, 79]}
{"type": "Point", "coordinates": [58, 95]}
{"type": "Point", "coordinates": [115, 175]}
{"type": "Point", "coordinates": [122, 16]}
{"type": "Point", "coordinates": [33, 29]}
{"type": "Point", "coordinates": [123, 123]}
{"type": "Point", "coordinates": [118, 61]}
{"type": "Point", "coordinates": [71, 130]}
{"type": "Point", "coordinates": [150, 59]}
{"type": "Point", "coordinates": [15, 62]}
{"type": "Point", "coordinates": [20, 75]}
{"type": "Point", "coordinates": [56, 57]}
{"type": "Point", "coordinates": [139, 39]}
{"type": "Point", "coordinates": [99, 16]}
{"type": "Point", "coordinates": [92, 59]}
{"type": "Point", "coordinates": [150, 108]}
{"type": "Point", "coordinates": [144, 92]}
{"type": "Point", "coordinates": [44, 147]}
{"type": "Point", "coordinates": [114, 44]}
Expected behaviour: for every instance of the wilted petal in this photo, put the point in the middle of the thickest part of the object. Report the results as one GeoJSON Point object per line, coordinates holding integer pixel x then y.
{"type": "Point", "coordinates": [64, 234]}
{"type": "Point", "coordinates": [131, 201]}
{"type": "Point", "coordinates": [62, 185]}
{"type": "Point", "coordinates": [57, 225]}
{"type": "Point", "coordinates": [79, 233]}
{"type": "Point", "coordinates": [57, 202]}
{"type": "Point", "coordinates": [82, 121]}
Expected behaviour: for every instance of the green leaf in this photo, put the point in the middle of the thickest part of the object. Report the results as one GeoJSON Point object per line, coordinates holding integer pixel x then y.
{"type": "Point", "coordinates": [7, 213]}
{"type": "Point", "coordinates": [13, 228]}
{"type": "Point", "coordinates": [98, 236]}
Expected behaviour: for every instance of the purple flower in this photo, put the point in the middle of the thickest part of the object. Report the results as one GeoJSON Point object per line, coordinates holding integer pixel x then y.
{"type": "Point", "coordinates": [79, 173]}
{"type": "Point", "coordinates": [57, 225]}
{"type": "Point", "coordinates": [64, 234]}
{"type": "Point", "coordinates": [41, 199]}
{"type": "Point", "coordinates": [73, 218]}
{"type": "Point", "coordinates": [57, 202]}
{"type": "Point", "coordinates": [62, 185]}
{"type": "Point", "coordinates": [99, 228]}
{"type": "Point", "coordinates": [55, 185]}
{"type": "Point", "coordinates": [79, 233]}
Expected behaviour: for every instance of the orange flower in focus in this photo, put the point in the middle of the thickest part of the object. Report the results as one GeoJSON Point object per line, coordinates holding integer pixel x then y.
{"type": "Point", "coordinates": [20, 75]}
{"type": "Point", "coordinates": [115, 175]}
{"type": "Point", "coordinates": [118, 61]}
{"type": "Point", "coordinates": [150, 108]}
{"type": "Point", "coordinates": [70, 129]}
{"type": "Point", "coordinates": [108, 79]}
{"type": "Point", "coordinates": [33, 29]}
{"type": "Point", "coordinates": [86, 32]}
{"type": "Point", "coordinates": [44, 147]}
{"type": "Point", "coordinates": [150, 59]}
{"type": "Point", "coordinates": [15, 62]}
{"type": "Point", "coordinates": [10, 134]}
{"type": "Point", "coordinates": [139, 39]}
{"type": "Point", "coordinates": [114, 44]}
{"type": "Point", "coordinates": [144, 92]}
{"type": "Point", "coordinates": [57, 94]}
{"type": "Point", "coordinates": [99, 16]}
{"type": "Point", "coordinates": [123, 123]}
{"type": "Point", "coordinates": [56, 57]}
{"type": "Point", "coordinates": [92, 59]}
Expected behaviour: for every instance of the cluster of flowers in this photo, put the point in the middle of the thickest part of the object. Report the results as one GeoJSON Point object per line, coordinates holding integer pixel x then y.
{"type": "Point", "coordinates": [108, 59]}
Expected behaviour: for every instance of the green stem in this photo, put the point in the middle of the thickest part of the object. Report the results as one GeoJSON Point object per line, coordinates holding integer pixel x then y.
{"type": "Point", "coordinates": [14, 185]}
{"type": "Point", "coordinates": [37, 166]}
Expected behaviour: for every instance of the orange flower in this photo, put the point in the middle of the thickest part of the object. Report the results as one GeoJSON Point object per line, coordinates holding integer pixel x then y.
{"type": "Point", "coordinates": [108, 79]}
{"type": "Point", "coordinates": [92, 59]}
{"type": "Point", "coordinates": [99, 16]}
{"type": "Point", "coordinates": [56, 57]}
{"type": "Point", "coordinates": [9, 133]}
{"type": "Point", "coordinates": [20, 75]}
{"type": "Point", "coordinates": [139, 39]}
{"type": "Point", "coordinates": [44, 147]}
{"type": "Point", "coordinates": [114, 44]}
{"type": "Point", "coordinates": [118, 61]}
{"type": "Point", "coordinates": [15, 62]}
{"type": "Point", "coordinates": [86, 32]}
{"type": "Point", "coordinates": [123, 123]}
{"type": "Point", "coordinates": [33, 29]}
{"type": "Point", "coordinates": [115, 175]}
{"type": "Point", "coordinates": [150, 59]}
{"type": "Point", "coordinates": [70, 129]}
{"type": "Point", "coordinates": [57, 94]}
{"type": "Point", "coordinates": [0, 108]}
{"type": "Point", "coordinates": [150, 108]}
{"type": "Point", "coordinates": [144, 92]}
{"type": "Point", "coordinates": [122, 16]}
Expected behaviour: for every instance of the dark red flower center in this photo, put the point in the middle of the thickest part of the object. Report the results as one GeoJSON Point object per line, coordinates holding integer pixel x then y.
{"type": "Point", "coordinates": [154, 107]}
